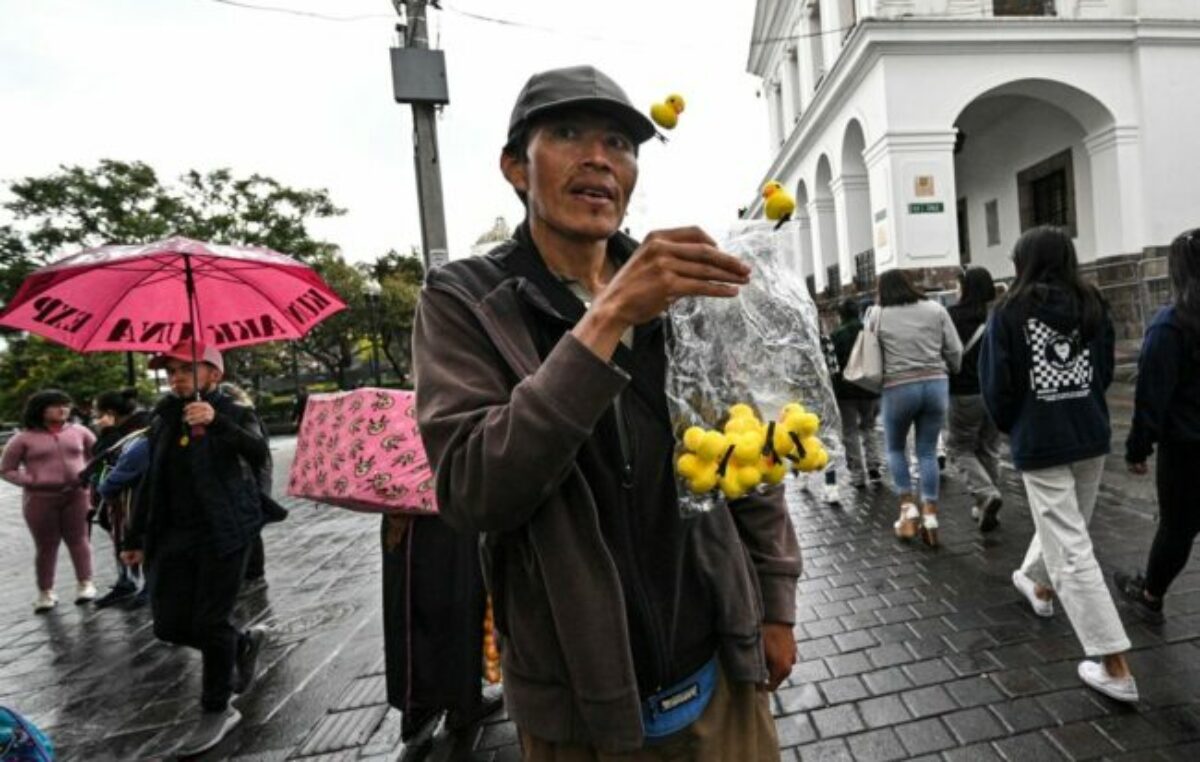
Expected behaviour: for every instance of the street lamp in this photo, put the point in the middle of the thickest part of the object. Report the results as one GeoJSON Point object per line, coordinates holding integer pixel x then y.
{"type": "Point", "coordinates": [373, 291]}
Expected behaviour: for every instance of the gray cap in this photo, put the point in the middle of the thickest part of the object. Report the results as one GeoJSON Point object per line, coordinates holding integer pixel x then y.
{"type": "Point", "coordinates": [577, 86]}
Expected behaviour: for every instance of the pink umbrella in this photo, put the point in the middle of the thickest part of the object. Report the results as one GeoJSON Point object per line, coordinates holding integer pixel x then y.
{"type": "Point", "coordinates": [148, 297]}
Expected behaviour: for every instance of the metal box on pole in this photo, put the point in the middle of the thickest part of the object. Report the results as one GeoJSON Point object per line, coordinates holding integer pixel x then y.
{"type": "Point", "coordinates": [419, 76]}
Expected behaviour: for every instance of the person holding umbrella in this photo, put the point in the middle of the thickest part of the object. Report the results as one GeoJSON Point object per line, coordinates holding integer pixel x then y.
{"type": "Point", "coordinates": [196, 517]}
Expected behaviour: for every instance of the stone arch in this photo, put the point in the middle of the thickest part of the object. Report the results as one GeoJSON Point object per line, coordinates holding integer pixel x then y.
{"type": "Point", "coordinates": [1014, 134]}
{"type": "Point", "coordinates": [823, 222]}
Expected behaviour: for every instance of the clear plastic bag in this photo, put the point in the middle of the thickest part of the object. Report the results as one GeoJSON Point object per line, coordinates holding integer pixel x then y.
{"type": "Point", "coordinates": [762, 347]}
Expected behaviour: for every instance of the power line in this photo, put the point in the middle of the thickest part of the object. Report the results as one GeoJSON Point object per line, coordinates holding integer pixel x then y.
{"type": "Point", "coordinates": [542, 28]}
{"type": "Point", "coordinates": [504, 22]}
{"type": "Point", "coordinates": [303, 13]}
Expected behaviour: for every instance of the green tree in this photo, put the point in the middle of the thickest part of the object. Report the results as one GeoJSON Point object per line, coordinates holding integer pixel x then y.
{"type": "Point", "coordinates": [125, 202]}
{"type": "Point", "coordinates": [32, 363]}
{"type": "Point", "coordinates": [333, 342]}
{"type": "Point", "coordinates": [401, 277]}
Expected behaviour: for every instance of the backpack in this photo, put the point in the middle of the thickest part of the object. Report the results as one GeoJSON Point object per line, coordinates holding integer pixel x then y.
{"type": "Point", "coordinates": [21, 741]}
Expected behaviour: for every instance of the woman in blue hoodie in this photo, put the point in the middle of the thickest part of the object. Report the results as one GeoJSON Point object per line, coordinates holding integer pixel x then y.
{"type": "Point", "coordinates": [1047, 359]}
{"type": "Point", "coordinates": [1167, 412]}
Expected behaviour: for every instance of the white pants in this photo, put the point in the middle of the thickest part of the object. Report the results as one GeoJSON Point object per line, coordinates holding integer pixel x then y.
{"type": "Point", "coordinates": [1060, 556]}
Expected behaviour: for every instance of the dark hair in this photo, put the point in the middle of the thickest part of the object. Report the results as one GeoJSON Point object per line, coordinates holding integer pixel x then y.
{"type": "Point", "coordinates": [895, 289]}
{"type": "Point", "coordinates": [978, 290]}
{"type": "Point", "coordinates": [120, 402]}
{"type": "Point", "coordinates": [1183, 264]}
{"type": "Point", "coordinates": [35, 407]}
{"type": "Point", "coordinates": [1045, 259]}
{"type": "Point", "coordinates": [849, 309]}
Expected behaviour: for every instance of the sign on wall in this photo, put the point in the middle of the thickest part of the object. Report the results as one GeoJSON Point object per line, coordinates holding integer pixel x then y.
{"type": "Point", "coordinates": [929, 207]}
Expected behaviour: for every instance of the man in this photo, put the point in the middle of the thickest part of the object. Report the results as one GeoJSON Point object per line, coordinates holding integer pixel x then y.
{"type": "Point", "coordinates": [624, 627]}
{"type": "Point", "coordinates": [197, 514]}
{"type": "Point", "coordinates": [859, 408]}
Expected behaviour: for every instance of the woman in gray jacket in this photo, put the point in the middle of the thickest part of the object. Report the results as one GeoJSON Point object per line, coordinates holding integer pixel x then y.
{"type": "Point", "coordinates": [920, 347]}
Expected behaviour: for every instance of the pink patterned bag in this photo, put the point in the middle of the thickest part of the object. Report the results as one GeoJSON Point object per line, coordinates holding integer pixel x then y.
{"type": "Point", "coordinates": [361, 450]}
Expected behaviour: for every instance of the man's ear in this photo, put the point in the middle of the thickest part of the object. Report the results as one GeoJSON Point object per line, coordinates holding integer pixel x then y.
{"type": "Point", "coordinates": [516, 170]}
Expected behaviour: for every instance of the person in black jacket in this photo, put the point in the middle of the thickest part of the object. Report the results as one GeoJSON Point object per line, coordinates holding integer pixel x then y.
{"type": "Point", "coordinates": [1047, 360]}
{"type": "Point", "coordinates": [859, 408]}
{"type": "Point", "coordinates": [1167, 412]}
{"type": "Point", "coordinates": [974, 441]}
{"type": "Point", "coordinates": [118, 416]}
{"type": "Point", "coordinates": [197, 515]}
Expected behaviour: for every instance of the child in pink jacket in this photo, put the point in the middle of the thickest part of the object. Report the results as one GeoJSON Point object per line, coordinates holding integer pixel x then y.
{"type": "Point", "coordinates": [45, 460]}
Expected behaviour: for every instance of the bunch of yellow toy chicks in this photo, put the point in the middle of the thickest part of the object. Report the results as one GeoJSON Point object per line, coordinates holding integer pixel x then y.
{"type": "Point", "coordinates": [749, 452]}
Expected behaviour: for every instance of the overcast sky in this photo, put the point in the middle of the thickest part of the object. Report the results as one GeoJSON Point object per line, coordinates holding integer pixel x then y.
{"type": "Point", "coordinates": [184, 84]}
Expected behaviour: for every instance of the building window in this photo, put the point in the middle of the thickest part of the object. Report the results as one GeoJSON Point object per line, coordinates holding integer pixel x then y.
{"type": "Point", "coordinates": [964, 233]}
{"type": "Point", "coordinates": [1046, 193]}
{"type": "Point", "coordinates": [991, 213]}
{"type": "Point", "coordinates": [816, 46]}
{"type": "Point", "coordinates": [864, 270]}
{"type": "Point", "coordinates": [833, 280]}
{"type": "Point", "coordinates": [1023, 8]}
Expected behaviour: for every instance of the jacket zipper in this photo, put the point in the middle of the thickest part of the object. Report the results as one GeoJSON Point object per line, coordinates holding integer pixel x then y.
{"type": "Point", "coordinates": [643, 600]}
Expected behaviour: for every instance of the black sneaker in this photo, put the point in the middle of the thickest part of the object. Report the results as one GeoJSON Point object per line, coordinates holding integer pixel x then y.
{"type": "Point", "coordinates": [417, 726]}
{"type": "Point", "coordinates": [252, 586]}
{"type": "Point", "coordinates": [489, 703]}
{"type": "Point", "coordinates": [249, 646]}
{"type": "Point", "coordinates": [988, 519]}
{"type": "Point", "coordinates": [138, 600]}
{"type": "Point", "coordinates": [116, 594]}
{"type": "Point", "coordinates": [1132, 587]}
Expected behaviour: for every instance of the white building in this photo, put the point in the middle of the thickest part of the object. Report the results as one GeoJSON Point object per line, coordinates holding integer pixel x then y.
{"type": "Point", "coordinates": [929, 133]}
{"type": "Point", "coordinates": [499, 233]}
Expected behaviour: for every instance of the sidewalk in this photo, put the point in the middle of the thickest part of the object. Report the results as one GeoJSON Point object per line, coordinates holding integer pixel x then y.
{"type": "Point", "coordinates": [904, 652]}
{"type": "Point", "coordinates": [104, 689]}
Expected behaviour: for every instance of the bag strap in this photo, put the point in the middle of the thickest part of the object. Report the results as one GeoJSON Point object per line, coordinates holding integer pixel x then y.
{"type": "Point", "coordinates": [975, 337]}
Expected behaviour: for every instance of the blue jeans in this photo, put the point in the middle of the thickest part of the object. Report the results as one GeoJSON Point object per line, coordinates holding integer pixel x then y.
{"type": "Point", "coordinates": [924, 404]}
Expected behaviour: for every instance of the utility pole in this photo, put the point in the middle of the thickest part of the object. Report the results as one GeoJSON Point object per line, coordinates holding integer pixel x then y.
{"type": "Point", "coordinates": [419, 78]}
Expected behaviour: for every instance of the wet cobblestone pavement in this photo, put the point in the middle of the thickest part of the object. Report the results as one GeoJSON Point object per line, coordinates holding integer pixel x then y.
{"type": "Point", "coordinates": [905, 652]}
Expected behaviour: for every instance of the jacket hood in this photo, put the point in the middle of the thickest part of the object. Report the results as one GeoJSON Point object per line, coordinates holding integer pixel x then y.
{"type": "Point", "coordinates": [1054, 306]}
{"type": "Point", "coordinates": [138, 419]}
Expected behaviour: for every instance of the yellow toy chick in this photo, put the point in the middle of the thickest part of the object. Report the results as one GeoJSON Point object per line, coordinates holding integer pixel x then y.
{"type": "Point", "coordinates": [666, 113]}
{"type": "Point", "coordinates": [778, 203]}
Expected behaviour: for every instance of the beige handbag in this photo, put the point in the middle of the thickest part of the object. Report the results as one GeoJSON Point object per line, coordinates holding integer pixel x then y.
{"type": "Point", "coordinates": [865, 366]}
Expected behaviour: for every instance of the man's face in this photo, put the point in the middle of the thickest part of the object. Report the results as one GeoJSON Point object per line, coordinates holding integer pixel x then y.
{"type": "Point", "coordinates": [578, 171]}
{"type": "Point", "coordinates": [179, 376]}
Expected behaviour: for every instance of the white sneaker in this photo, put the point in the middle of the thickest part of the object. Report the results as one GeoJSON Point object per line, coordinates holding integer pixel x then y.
{"type": "Point", "coordinates": [831, 495]}
{"type": "Point", "coordinates": [1096, 677]}
{"type": "Point", "coordinates": [85, 592]}
{"type": "Point", "coordinates": [46, 600]}
{"type": "Point", "coordinates": [209, 731]}
{"type": "Point", "coordinates": [1028, 589]}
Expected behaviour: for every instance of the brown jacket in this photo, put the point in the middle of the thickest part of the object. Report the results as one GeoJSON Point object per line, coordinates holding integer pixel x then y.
{"type": "Point", "coordinates": [502, 428]}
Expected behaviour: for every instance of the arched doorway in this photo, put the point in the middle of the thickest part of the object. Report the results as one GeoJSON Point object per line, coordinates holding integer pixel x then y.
{"type": "Point", "coordinates": [852, 192]}
{"type": "Point", "coordinates": [1034, 152]}
{"type": "Point", "coordinates": [804, 248]}
{"type": "Point", "coordinates": [824, 228]}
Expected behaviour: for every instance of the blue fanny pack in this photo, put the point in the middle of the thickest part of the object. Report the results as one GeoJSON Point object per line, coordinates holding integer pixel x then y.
{"type": "Point", "coordinates": [673, 709]}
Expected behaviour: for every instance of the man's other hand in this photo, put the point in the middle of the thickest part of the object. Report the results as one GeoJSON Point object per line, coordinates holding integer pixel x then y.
{"type": "Point", "coordinates": [779, 645]}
